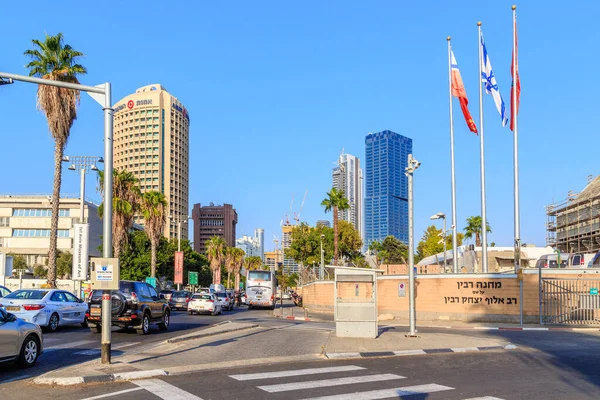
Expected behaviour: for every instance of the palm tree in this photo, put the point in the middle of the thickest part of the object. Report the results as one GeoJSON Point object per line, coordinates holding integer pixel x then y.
{"type": "Point", "coordinates": [154, 206]}
{"type": "Point", "coordinates": [473, 228]}
{"type": "Point", "coordinates": [54, 60]}
{"type": "Point", "coordinates": [239, 263]}
{"type": "Point", "coordinates": [126, 202]}
{"type": "Point", "coordinates": [229, 262]}
{"type": "Point", "coordinates": [253, 263]}
{"type": "Point", "coordinates": [337, 201]}
{"type": "Point", "coordinates": [215, 247]}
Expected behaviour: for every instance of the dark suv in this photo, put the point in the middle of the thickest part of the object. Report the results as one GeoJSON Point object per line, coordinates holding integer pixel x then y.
{"type": "Point", "coordinates": [135, 304]}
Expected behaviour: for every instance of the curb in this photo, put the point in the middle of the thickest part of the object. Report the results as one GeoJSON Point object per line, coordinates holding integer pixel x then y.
{"type": "Point", "coordinates": [121, 376]}
{"type": "Point", "coordinates": [372, 354]}
{"type": "Point", "coordinates": [501, 328]}
{"type": "Point", "coordinates": [200, 334]}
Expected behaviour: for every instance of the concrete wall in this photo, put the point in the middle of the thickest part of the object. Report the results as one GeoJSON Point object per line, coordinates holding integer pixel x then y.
{"type": "Point", "coordinates": [463, 297]}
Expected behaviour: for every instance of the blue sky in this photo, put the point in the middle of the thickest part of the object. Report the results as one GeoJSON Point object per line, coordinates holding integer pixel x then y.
{"type": "Point", "coordinates": [276, 89]}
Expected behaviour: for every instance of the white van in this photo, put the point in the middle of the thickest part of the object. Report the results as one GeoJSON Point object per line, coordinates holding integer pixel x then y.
{"type": "Point", "coordinates": [580, 260]}
{"type": "Point", "coordinates": [551, 261]}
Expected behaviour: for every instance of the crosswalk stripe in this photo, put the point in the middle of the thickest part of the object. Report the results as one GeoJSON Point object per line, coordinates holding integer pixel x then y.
{"type": "Point", "coordinates": [113, 394]}
{"type": "Point", "coordinates": [387, 393]}
{"type": "Point", "coordinates": [165, 390]}
{"type": "Point", "coordinates": [69, 345]}
{"type": "Point", "coordinates": [329, 382]}
{"type": "Point", "coordinates": [485, 398]}
{"type": "Point", "coordinates": [92, 352]}
{"type": "Point", "coordinates": [296, 372]}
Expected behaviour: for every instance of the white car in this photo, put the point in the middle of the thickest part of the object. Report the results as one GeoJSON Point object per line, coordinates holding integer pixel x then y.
{"type": "Point", "coordinates": [204, 303]}
{"type": "Point", "coordinates": [49, 308]}
{"type": "Point", "coordinates": [287, 296]}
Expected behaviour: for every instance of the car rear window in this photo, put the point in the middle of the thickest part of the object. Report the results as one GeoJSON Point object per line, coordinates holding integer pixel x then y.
{"type": "Point", "coordinates": [201, 297]}
{"type": "Point", "coordinates": [126, 287]}
{"type": "Point", "coordinates": [27, 294]}
{"type": "Point", "coordinates": [180, 294]}
{"type": "Point", "coordinates": [221, 294]}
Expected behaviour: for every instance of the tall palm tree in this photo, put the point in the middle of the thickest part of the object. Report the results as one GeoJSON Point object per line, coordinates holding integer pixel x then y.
{"type": "Point", "coordinates": [473, 228]}
{"type": "Point", "coordinates": [253, 263]}
{"type": "Point", "coordinates": [239, 263]}
{"type": "Point", "coordinates": [215, 247]}
{"type": "Point", "coordinates": [154, 206]}
{"type": "Point", "coordinates": [230, 255]}
{"type": "Point", "coordinates": [336, 201]}
{"type": "Point", "coordinates": [52, 59]}
{"type": "Point", "coordinates": [126, 202]}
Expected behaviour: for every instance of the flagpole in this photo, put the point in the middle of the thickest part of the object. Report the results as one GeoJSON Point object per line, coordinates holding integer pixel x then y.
{"type": "Point", "coordinates": [453, 178]}
{"type": "Point", "coordinates": [516, 146]}
{"type": "Point", "coordinates": [484, 264]}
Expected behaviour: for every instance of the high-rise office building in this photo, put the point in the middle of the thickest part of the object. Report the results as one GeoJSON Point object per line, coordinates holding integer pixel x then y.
{"type": "Point", "coordinates": [386, 186]}
{"type": "Point", "coordinates": [290, 266]}
{"type": "Point", "coordinates": [253, 245]}
{"type": "Point", "coordinates": [259, 237]}
{"type": "Point", "coordinates": [212, 221]}
{"type": "Point", "coordinates": [347, 177]}
{"type": "Point", "coordinates": [151, 140]}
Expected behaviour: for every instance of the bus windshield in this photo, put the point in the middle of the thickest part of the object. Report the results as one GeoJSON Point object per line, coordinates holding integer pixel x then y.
{"type": "Point", "coordinates": [259, 276]}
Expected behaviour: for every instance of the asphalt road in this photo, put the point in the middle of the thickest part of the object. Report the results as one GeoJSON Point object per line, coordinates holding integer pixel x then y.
{"type": "Point", "coordinates": [73, 345]}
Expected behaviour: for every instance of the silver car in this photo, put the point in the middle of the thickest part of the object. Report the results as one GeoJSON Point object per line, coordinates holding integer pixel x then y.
{"type": "Point", "coordinates": [20, 341]}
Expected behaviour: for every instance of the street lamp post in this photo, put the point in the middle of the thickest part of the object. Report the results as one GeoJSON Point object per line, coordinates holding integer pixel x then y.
{"type": "Point", "coordinates": [322, 269]}
{"type": "Point", "coordinates": [441, 215]}
{"type": "Point", "coordinates": [179, 220]}
{"type": "Point", "coordinates": [102, 95]}
{"type": "Point", "coordinates": [413, 164]}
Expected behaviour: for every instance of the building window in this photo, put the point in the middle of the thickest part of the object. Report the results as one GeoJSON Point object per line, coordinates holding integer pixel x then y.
{"type": "Point", "coordinates": [4, 221]}
{"type": "Point", "coordinates": [62, 233]}
{"type": "Point", "coordinates": [39, 212]}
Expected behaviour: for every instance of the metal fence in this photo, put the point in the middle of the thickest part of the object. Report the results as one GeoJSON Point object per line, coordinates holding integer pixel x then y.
{"type": "Point", "coordinates": [570, 301]}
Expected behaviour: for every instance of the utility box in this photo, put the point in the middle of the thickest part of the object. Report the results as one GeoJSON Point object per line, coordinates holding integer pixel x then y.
{"type": "Point", "coordinates": [355, 302]}
{"type": "Point", "coordinates": [105, 273]}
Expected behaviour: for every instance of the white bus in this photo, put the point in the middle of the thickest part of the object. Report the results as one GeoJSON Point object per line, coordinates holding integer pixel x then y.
{"type": "Point", "coordinates": [261, 287]}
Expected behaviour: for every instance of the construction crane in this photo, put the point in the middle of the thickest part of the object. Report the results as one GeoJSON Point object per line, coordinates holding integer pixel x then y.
{"type": "Point", "coordinates": [297, 216]}
{"type": "Point", "coordinates": [286, 217]}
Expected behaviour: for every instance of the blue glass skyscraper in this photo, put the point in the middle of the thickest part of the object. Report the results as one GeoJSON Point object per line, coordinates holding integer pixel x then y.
{"type": "Point", "coordinates": [386, 186]}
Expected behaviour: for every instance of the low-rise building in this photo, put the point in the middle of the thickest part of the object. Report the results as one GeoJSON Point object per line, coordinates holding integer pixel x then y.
{"type": "Point", "coordinates": [25, 226]}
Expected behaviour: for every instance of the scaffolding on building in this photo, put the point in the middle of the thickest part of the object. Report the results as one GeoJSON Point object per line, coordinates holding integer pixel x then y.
{"type": "Point", "coordinates": [573, 224]}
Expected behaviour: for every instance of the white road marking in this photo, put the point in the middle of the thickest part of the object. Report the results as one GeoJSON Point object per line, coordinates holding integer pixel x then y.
{"type": "Point", "coordinates": [296, 372]}
{"type": "Point", "coordinates": [120, 392]}
{"type": "Point", "coordinates": [342, 355]}
{"type": "Point", "coordinates": [92, 352]}
{"type": "Point", "coordinates": [283, 387]}
{"type": "Point", "coordinates": [69, 345]}
{"type": "Point", "coordinates": [165, 390]}
{"type": "Point", "coordinates": [387, 393]}
{"type": "Point", "coordinates": [464, 349]}
{"type": "Point", "coordinates": [485, 398]}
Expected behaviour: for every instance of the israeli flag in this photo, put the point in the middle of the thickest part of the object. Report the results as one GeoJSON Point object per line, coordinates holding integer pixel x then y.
{"type": "Point", "coordinates": [489, 80]}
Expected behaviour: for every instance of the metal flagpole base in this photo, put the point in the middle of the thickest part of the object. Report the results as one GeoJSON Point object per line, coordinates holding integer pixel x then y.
{"type": "Point", "coordinates": [106, 353]}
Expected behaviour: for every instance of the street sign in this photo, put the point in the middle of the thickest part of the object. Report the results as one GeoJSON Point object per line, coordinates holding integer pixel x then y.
{"type": "Point", "coordinates": [192, 278]}
{"type": "Point", "coordinates": [594, 291]}
{"type": "Point", "coordinates": [105, 273]}
{"type": "Point", "coordinates": [80, 252]}
{"type": "Point", "coordinates": [178, 268]}
{"type": "Point", "coordinates": [241, 285]}
{"type": "Point", "coordinates": [401, 290]}
{"type": "Point", "coordinates": [151, 281]}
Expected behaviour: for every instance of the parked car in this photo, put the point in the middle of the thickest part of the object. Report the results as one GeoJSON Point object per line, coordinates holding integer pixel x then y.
{"type": "Point", "coordinates": [4, 291]}
{"type": "Point", "coordinates": [204, 303]}
{"type": "Point", "coordinates": [551, 261]}
{"type": "Point", "coordinates": [166, 294]}
{"type": "Point", "coordinates": [135, 304]}
{"type": "Point", "coordinates": [226, 302]}
{"type": "Point", "coordinates": [20, 341]}
{"type": "Point", "coordinates": [49, 308]}
{"type": "Point", "coordinates": [180, 300]}
{"type": "Point", "coordinates": [580, 260]}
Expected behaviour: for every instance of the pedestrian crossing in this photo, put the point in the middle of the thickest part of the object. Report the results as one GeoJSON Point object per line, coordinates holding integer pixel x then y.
{"type": "Point", "coordinates": [273, 382]}
{"type": "Point", "coordinates": [81, 347]}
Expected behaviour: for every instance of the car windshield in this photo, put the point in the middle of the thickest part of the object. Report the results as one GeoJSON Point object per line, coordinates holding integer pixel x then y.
{"type": "Point", "coordinates": [221, 295]}
{"type": "Point", "coordinates": [27, 294]}
{"type": "Point", "coordinates": [201, 297]}
{"type": "Point", "coordinates": [166, 291]}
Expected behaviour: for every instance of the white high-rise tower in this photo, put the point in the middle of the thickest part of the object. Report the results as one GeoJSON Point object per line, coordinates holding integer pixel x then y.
{"type": "Point", "coordinates": [348, 178]}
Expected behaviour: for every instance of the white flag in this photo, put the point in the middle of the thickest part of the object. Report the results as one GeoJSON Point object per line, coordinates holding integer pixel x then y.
{"type": "Point", "coordinates": [489, 79]}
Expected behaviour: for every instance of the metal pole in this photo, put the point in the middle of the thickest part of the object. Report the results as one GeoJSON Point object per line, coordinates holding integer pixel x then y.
{"type": "Point", "coordinates": [516, 146]}
{"type": "Point", "coordinates": [540, 292]}
{"type": "Point", "coordinates": [82, 193]}
{"type": "Point", "coordinates": [107, 248]}
{"type": "Point", "coordinates": [444, 236]}
{"type": "Point", "coordinates": [322, 269]}
{"type": "Point", "coordinates": [484, 259]}
{"type": "Point", "coordinates": [67, 85]}
{"type": "Point", "coordinates": [411, 261]}
{"type": "Point", "coordinates": [521, 301]}
{"type": "Point", "coordinates": [178, 243]}
{"type": "Point", "coordinates": [453, 177]}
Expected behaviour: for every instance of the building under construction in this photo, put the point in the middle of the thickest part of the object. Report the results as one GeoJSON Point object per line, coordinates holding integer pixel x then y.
{"type": "Point", "coordinates": [573, 225]}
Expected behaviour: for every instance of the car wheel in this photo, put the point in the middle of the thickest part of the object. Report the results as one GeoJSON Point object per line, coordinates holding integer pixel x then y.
{"type": "Point", "coordinates": [95, 328]}
{"type": "Point", "coordinates": [145, 327]}
{"type": "Point", "coordinates": [52, 323]}
{"type": "Point", "coordinates": [166, 320]}
{"type": "Point", "coordinates": [84, 324]}
{"type": "Point", "coordinates": [190, 312]}
{"type": "Point", "coordinates": [29, 352]}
